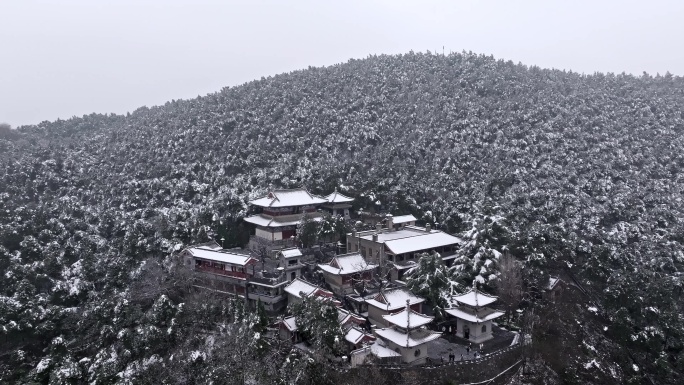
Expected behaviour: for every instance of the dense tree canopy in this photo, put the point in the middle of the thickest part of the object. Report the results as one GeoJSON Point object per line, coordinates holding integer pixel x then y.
{"type": "Point", "coordinates": [432, 280]}
{"type": "Point", "coordinates": [317, 322]}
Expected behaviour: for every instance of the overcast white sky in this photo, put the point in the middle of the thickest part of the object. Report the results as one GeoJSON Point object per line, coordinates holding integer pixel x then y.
{"type": "Point", "coordinates": [74, 57]}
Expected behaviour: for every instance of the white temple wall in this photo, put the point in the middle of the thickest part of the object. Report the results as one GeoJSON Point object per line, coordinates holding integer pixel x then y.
{"type": "Point", "coordinates": [415, 356]}
{"type": "Point", "coordinates": [261, 233]}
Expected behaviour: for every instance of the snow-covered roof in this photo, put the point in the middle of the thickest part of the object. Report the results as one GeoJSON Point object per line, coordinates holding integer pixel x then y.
{"type": "Point", "coordinates": [351, 263]}
{"type": "Point", "coordinates": [336, 197]}
{"type": "Point", "coordinates": [408, 319]}
{"type": "Point", "coordinates": [220, 256]}
{"type": "Point", "coordinates": [209, 245]}
{"type": "Point", "coordinates": [470, 316]}
{"type": "Point", "coordinates": [405, 265]}
{"type": "Point", "coordinates": [299, 285]}
{"type": "Point", "coordinates": [327, 297]}
{"type": "Point", "coordinates": [382, 351]}
{"type": "Point", "coordinates": [268, 221]}
{"type": "Point", "coordinates": [415, 337]}
{"type": "Point", "coordinates": [259, 220]}
{"type": "Point", "coordinates": [291, 253]}
{"type": "Point", "coordinates": [424, 241]}
{"type": "Point", "coordinates": [403, 219]}
{"type": "Point", "coordinates": [474, 298]}
{"type": "Point", "coordinates": [385, 236]}
{"type": "Point", "coordinates": [290, 323]}
{"type": "Point", "coordinates": [288, 198]}
{"type": "Point", "coordinates": [344, 317]}
{"type": "Point", "coordinates": [356, 336]}
{"type": "Point", "coordinates": [394, 299]}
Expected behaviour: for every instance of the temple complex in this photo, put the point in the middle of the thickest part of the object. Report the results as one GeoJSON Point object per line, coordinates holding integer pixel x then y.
{"type": "Point", "coordinates": [397, 250]}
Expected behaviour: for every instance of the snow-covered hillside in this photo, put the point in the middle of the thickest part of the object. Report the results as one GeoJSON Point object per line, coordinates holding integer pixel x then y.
{"type": "Point", "coordinates": [558, 168]}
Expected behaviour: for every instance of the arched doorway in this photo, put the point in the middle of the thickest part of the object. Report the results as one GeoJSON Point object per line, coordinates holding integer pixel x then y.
{"type": "Point", "coordinates": [466, 331]}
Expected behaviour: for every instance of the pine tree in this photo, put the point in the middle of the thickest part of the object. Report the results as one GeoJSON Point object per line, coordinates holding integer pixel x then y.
{"type": "Point", "coordinates": [307, 231]}
{"type": "Point", "coordinates": [316, 320]}
{"type": "Point", "coordinates": [432, 280]}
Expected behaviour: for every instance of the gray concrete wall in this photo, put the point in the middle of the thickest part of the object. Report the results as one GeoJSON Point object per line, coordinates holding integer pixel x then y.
{"type": "Point", "coordinates": [375, 316]}
{"type": "Point", "coordinates": [335, 282]}
{"type": "Point", "coordinates": [460, 372]}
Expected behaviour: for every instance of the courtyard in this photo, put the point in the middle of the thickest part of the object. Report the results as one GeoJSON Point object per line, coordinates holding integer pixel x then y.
{"type": "Point", "coordinates": [441, 348]}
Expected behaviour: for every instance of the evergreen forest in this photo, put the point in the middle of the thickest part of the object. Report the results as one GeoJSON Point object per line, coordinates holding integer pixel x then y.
{"type": "Point", "coordinates": [579, 174]}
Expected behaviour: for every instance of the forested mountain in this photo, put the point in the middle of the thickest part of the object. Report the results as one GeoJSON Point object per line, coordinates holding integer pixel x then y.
{"type": "Point", "coordinates": [564, 170]}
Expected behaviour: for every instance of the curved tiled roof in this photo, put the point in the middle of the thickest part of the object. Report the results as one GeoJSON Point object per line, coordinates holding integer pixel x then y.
{"type": "Point", "coordinates": [408, 319]}
{"type": "Point", "coordinates": [475, 317]}
{"type": "Point", "coordinates": [394, 299]}
{"type": "Point", "coordinates": [336, 197]}
{"type": "Point", "coordinates": [222, 256]}
{"type": "Point", "coordinates": [347, 264]}
{"type": "Point", "coordinates": [475, 298]}
{"type": "Point", "coordinates": [288, 198]}
{"type": "Point", "coordinates": [414, 338]}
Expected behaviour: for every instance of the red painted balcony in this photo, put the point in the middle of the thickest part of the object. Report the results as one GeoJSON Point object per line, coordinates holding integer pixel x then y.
{"type": "Point", "coordinates": [219, 271]}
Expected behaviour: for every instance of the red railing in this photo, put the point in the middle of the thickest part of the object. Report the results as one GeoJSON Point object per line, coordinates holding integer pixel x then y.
{"type": "Point", "coordinates": [228, 273]}
{"type": "Point", "coordinates": [267, 242]}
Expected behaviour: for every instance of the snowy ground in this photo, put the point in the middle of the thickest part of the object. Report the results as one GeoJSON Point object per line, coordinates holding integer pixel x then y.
{"type": "Point", "coordinates": [442, 347]}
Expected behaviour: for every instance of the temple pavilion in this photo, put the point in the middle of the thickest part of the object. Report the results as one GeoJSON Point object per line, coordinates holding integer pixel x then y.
{"type": "Point", "coordinates": [387, 302]}
{"type": "Point", "coordinates": [407, 335]}
{"type": "Point", "coordinates": [338, 204]}
{"type": "Point", "coordinates": [473, 315]}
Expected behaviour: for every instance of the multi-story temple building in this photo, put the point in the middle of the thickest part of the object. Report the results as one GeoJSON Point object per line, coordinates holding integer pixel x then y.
{"type": "Point", "coordinates": [277, 215]}
{"type": "Point", "coordinates": [397, 250]}
{"type": "Point", "coordinates": [391, 301]}
{"type": "Point", "coordinates": [407, 335]}
{"type": "Point", "coordinates": [473, 315]}
{"type": "Point", "coordinates": [234, 273]}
